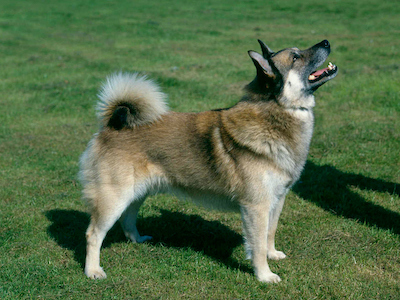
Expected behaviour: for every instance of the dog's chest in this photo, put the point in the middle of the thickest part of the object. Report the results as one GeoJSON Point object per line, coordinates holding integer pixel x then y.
{"type": "Point", "coordinates": [291, 157]}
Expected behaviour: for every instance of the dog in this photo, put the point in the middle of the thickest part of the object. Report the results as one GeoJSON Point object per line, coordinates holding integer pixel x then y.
{"type": "Point", "coordinates": [243, 158]}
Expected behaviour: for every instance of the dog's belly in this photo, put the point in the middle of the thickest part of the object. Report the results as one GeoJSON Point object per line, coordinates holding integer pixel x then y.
{"type": "Point", "coordinates": [203, 198]}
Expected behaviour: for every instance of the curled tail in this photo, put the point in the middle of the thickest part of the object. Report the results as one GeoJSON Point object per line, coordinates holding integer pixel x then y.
{"type": "Point", "coordinates": [129, 100]}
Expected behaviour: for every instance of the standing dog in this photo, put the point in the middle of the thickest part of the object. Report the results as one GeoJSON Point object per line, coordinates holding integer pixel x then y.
{"type": "Point", "coordinates": [242, 158]}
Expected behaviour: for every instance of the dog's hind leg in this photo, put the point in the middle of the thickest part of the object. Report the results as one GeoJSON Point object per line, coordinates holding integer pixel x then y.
{"type": "Point", "coordinates": [106, 210]}
{"type": "Point", "coordinates": [255, 225]}
{"type": "Point", "coordinates": [128, 222]}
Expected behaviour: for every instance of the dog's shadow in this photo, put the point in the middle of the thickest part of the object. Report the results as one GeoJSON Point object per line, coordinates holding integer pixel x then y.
{"type": "Point", "coordinates": [325, 186]}
{"type": "Point", "coordinates": [331, 189]}
{"type": "Point", "coordinates": [171, 229]}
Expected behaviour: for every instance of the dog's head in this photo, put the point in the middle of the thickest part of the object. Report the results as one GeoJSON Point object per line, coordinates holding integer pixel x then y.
{"type": "Point", "coordinates": [290, 75]}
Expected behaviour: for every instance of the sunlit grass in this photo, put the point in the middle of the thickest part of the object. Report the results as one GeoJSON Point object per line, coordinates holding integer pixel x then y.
{"type": "Point", "coordinates": [341, 224]}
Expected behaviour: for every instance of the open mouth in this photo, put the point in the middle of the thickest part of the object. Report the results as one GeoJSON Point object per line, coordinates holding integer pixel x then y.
{"type": "Point", "coordinates": [320, 74]}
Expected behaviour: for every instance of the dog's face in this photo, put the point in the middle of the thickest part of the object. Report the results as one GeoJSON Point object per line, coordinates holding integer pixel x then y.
{"type": "Point", "coordinates": [290, 73]}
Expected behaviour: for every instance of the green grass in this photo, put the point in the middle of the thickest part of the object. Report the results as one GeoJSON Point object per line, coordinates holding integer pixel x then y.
{"type": "Point", "coordinates": [341, 224]}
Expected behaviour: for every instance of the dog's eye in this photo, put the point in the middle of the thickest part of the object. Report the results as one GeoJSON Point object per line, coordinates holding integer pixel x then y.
{"type": "Point", "coordinates": [295, 57]}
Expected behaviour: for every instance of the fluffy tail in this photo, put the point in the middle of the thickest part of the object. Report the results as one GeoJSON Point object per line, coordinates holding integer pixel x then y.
{"type": "Point", "coordinates": [129, 100]}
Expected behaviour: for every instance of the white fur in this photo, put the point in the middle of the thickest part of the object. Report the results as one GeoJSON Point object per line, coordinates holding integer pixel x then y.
{"type": "Point", "coordinates": [275, 187]}
{"type": "Point", "coordinates": [132, 88]}
{"type": "Point", "coordinates": [293, 92]}
{"type": "Point", "coordinates": [151, 186]}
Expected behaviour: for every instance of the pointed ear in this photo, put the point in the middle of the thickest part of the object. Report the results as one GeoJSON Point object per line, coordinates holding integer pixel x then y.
{"type": "Point", "coordinates": [262, 65]}
{"type": "Point", "coordinates": [266, 51]}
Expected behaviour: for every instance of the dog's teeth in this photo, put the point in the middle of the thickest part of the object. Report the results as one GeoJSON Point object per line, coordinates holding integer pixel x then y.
{"type": "Point", "coordinates": [331, 66]}
{"type": "Point", "coordinates": [311, 77]}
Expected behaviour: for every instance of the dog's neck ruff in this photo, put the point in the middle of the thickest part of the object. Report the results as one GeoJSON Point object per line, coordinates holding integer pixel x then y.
{"type": "Point", "coordinates": [304, 103]}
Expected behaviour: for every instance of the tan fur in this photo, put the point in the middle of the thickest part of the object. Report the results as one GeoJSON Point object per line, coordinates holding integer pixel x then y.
{"type": "Point", "coordinates": [244, 158]}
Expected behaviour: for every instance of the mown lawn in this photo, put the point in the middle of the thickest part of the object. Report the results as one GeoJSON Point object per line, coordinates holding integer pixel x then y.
{"type": "Point", "coordinates": [341, 223]}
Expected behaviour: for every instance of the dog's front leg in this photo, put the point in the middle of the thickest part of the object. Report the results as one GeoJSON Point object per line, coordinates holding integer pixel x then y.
{"type": "Point", "coordinates": [255, 225]}
{"type": "Point", "coordinates": [274, 214]}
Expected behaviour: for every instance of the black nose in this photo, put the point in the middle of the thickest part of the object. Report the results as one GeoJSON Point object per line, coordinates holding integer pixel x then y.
{"type": "Point", "coordinates": [325, 43]}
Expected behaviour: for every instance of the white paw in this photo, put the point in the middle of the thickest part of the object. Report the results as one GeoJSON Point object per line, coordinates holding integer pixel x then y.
{"type": "Point", "coordinates": [269, 278]}
{"type": "Point", "coordinates": [144, 238]}
{"type": "Point", "coordinates": [276, 255]}
{"type": "Point", "coordinates": [96, 274]}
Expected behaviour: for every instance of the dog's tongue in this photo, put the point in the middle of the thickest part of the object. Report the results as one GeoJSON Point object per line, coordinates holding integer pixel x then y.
{"type": "Point", "coordinates": [320, 72]}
